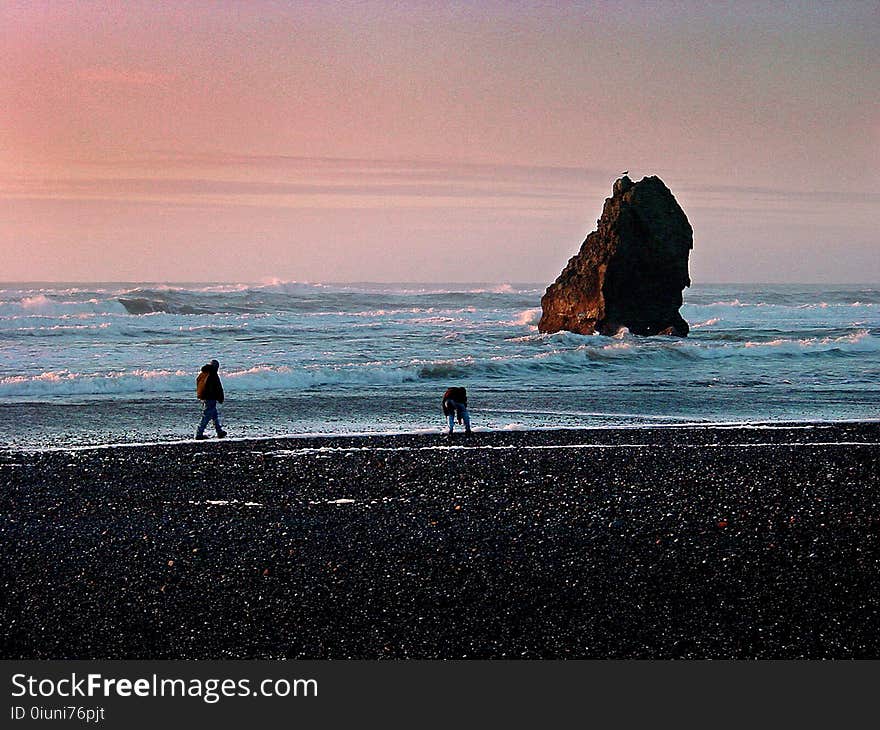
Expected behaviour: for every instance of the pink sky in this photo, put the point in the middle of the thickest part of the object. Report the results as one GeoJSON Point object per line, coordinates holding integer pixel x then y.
{"type": "Point", "coordinates": [472, 141]}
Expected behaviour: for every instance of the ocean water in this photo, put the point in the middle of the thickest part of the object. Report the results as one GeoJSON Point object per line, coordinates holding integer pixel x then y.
{"type": "Point", "coordinates": [105, 363]}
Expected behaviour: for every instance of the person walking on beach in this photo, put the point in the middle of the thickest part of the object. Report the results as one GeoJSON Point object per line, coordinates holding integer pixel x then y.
{"type": "Point", "coordinates": [209, 390]}
{"type": "Point", "coordinates": [455, 407]}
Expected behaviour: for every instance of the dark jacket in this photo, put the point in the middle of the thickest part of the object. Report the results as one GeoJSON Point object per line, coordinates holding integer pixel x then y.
{"type": "Point", "coordinates": [457, 395]}
{"type": "Point", "coordinates": [208, 385]}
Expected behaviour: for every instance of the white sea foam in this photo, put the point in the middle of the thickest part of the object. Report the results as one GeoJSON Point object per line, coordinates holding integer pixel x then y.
{"type": "Point", "coordinates": [727, 303]}
{"type": "Point", "coordinates": [862, 336]}
{"type": "Point", "coordinates": [527, 317]}
{"type": "Point", "coordinates": [64, 327]}
{"type": "Point", "coordinates": [707, 323]}
{"type": "Point", "coordinates": [42, 305]}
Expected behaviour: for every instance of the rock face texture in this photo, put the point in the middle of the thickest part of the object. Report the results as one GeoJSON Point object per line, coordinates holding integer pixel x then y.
{"type": "Point", "coordinates": [630, 271]}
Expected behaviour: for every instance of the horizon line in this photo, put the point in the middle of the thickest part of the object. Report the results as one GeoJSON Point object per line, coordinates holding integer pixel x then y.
{"type": "Point", "coordinates": [407, 283]}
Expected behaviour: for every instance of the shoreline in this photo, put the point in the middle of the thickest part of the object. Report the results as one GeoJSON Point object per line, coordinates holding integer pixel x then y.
{"type": "Point", "coordinates": [479, 431]}
{"type": "Point", "coordinates": [692, 542]}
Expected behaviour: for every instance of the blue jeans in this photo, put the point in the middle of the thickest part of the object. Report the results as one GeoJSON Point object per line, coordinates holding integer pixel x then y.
{"type": "Point", "coordinates": [209, 413]}
{"type": "Point", "coordinates": [458, 410]}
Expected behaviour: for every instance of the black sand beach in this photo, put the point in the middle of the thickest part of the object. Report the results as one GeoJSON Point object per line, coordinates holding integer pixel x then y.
{"type": "Point", "coordinates": [650, 543]}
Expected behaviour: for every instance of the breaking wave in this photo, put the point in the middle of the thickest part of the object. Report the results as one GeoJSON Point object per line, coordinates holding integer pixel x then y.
{"type": "Point", "coordinates": [567, 355]}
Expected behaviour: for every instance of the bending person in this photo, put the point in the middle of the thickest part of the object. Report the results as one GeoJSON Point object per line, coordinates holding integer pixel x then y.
{"type": "Point", "coordinates": [455, 408]}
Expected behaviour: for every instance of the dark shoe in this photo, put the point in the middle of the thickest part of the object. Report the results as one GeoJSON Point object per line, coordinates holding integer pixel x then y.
{"type": "Point", "coordinates": [221, 434]}
{"type": "Point", "coordinates": [200, 437]}
{"type": "Point", "coordinates": [467, 432]}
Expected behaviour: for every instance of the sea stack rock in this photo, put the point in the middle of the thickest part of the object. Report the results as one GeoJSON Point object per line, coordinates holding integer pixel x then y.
{"type": "Point", "coordinates": [630, 271]}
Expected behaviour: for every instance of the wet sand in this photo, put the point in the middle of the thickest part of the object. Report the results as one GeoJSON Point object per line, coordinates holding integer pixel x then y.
{"type": "Point", "coordinates": [650, 543]}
